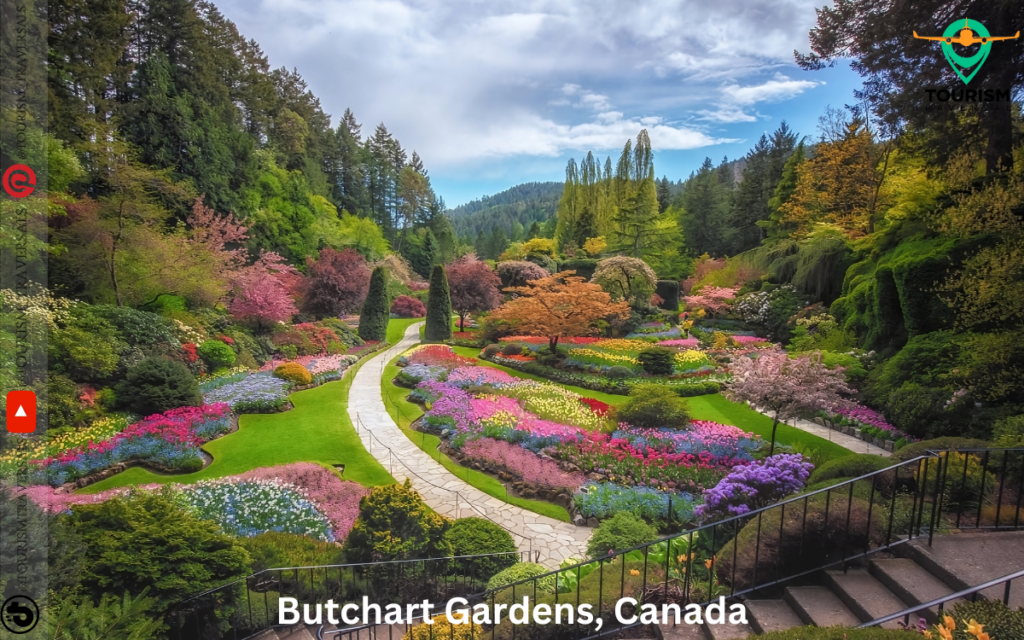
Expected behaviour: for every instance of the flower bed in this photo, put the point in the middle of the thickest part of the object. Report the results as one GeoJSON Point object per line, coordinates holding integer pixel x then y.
{"type": "Point", "coordinates": [605, 499]}
{"type": "Point", "coordinates": [524, 464]}
{"type": "Point", "coordinates": [245, 511]}
{"type": "Point", "coordinates": [256, 393]}
{"type": "Point", "coordinates": [20, 452]}
{"type": "Point", "coordinates": [872, 422]}
{"type": "Point", "coordinates": [689, 343]}
{"type": "Point", "coordinates": [250, 507]}
{"type": "Point", "coordinates": [170, 440]}
{"type": "Point", "coordinates": [323, 367]}
{"type": "Point", "coordinates": [543, 341]}
{"type": "Point", "coordinates": [470, 376]}
{"type": "Point", "coordinates": [754, 486]}
{"type": "Point", "coordinates": [435, 355]}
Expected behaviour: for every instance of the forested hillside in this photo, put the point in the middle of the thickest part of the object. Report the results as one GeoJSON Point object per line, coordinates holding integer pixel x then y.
{"type": "Point", "coordinates": [514, 211]}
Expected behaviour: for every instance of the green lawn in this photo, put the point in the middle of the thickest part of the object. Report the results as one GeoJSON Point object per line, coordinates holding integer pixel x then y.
{"type": "Point", "coordinates": [318, 429]}
{"type": "Point", "coordinates": [404, 413]}
{"type": "Point", "coordinates": [715, 408]}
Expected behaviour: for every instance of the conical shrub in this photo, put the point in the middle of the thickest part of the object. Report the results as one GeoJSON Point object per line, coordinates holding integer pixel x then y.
{"type": "Point", "coordinates": [439, 308]}
{"type": "Point", "coordinates": [373, 321]}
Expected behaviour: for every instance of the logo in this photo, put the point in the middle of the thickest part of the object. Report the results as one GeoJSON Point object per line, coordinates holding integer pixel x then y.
{"type": "Point", "coordinates": [19, 180]}
{"type": "Point", "coordinates": [21, 411]}
{"type": "Point", "coordinates": [19, 614]}
{"type": "Point", "coordinates": [965, 34]}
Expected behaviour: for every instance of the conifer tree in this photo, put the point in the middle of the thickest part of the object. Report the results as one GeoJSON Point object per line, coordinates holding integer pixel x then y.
{"type": "Point", "coordinates": [373, 320]}
{"type": "Point", "coordinates": [439, 308]}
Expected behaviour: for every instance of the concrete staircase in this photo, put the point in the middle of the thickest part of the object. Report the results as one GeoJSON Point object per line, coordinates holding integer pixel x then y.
{"type": "Point", "coordinates": [308, 632]}
{"type": "Point", "coordinates": [917, 574]}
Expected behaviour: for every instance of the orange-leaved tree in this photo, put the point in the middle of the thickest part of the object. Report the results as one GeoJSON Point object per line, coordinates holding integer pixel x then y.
{"type": "Point", "coordinates": [562, 304]}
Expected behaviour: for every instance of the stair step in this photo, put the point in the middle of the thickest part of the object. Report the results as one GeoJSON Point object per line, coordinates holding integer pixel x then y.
{"type": "Point", "coordinates": [966, 559]}
{"type": "Point", "coordinates": [680, 632]}
{"type": "Point", "coordinates": [727, 631]}
{"type": "Point", "coordinates": [911, 583]}
{"type": "Point", "coordinates": [771, 615]}
{"type": "Point", "coordinates": [302, 633]}
{"type": "Point", "coordinates": [865, 596]}
{"type": "Point", "coordinates": [266, 634]}
{"type": "Point", "coordinates": [820, 607]}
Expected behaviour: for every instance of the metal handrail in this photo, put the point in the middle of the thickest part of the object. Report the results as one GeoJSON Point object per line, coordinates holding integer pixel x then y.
{"type": "Point", "coordinates": [939, 602]}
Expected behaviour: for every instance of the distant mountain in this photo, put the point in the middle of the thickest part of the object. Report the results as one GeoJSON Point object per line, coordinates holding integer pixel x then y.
{"type": "Point", "coordinates": [524, 204]}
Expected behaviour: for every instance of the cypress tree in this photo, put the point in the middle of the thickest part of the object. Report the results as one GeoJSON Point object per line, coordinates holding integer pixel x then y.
{"type": "Point", "coordinates": [439, 308]}
{"type": "Point", "coordinates": [373, 321]}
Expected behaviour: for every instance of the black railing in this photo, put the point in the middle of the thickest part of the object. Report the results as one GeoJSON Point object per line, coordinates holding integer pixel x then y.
{"type": "Point", "coordinates": [1006, 582]}
{"type": "Point", "coordinates": [764, 548]}
{"type": "Point", "coordinates": [248, 605]}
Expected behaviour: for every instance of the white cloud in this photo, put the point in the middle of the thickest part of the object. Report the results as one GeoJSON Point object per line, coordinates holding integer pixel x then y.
{"type": "Point", "coordinates": [463, 80]}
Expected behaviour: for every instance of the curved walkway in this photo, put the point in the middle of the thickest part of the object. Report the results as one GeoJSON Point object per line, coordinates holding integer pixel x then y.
{"type": "Point", "coordinates": [553, 540]}
{"type": "Point", "coordinates": [849, 442]}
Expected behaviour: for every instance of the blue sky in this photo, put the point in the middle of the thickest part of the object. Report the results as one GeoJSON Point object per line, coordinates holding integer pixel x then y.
{"type": "Point", "coordinates": [492, 93]}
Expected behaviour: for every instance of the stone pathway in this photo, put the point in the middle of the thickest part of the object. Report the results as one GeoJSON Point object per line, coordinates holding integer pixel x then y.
{"type": "Point", "coordinates": [843, 440]}
{"type": "Point", "coordinates": [551, 539]}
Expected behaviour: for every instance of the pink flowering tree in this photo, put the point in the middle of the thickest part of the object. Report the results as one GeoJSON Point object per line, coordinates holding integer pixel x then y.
{"type": "Point", "coordinates": [261, 293]}
{"type": "Point", "coordinates": [788, 386]}
{"type": "Point", "coordinates": [714, 300]}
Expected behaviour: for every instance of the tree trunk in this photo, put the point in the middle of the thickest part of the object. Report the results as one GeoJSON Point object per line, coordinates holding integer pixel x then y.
{"type": "Point", "coordinates": [553, 344]}
{"type": "Point", "coordinates": [462, 323]}
{"type": "Point", "coordinates": [775, 424]}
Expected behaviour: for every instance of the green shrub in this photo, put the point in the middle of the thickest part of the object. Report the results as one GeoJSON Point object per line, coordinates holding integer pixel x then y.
{"type": "Point", "coordinates": [476, 536]}
{"type": "Point", "coordinates": [522, 571]}
{"type": "Point", "coordinates": [920, 410]}
{"type": "Point", "coordinates": [807, 542]}
{"type": "Point", "coordinates": [584, 267]}
{"type": "Point", "coordinates": [138, 327]}
{"type": "Point", "coordinates": [1000, 621]}
{"type": "Point", "coordinates": [850, 466]}
{"type": "Point", "coordinates": [1009, 432]}
{"type": "Point", "coordinates": [276, 549]}
{"type": "Point", "coordinates": [657, 361]}
{"type": "Point", "coordinates": [915, 449]}
{"type": "Point", "coordinates": [512, 349]}
{"type": "Point", "coordinates": [395, 524]}
{"type": "Point", "coordinates": [619, 372]}
{"type": "Point", "coordinates": [652, 406]}
{"type": "Point", "coordinates": [668, 291]}
{"type": "Point", "coordinates": [492, 350]}
{"type": "Point", "coordinates": [373, 319]}
{"type": "Point", "coordinates": [156, 385]}
{"type": "Point", "coordinates": [216, 354]}
{"type": "Point", "coordinates": [293, 372]}
{"type": "Point", "coordinates": [620, 532]}
{"type": "Point", "coordinates": [438, 326]}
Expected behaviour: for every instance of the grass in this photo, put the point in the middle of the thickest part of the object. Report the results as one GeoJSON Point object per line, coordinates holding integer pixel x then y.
{"type": "Point", "coordinates": [318, 429]}
{"type": "Point", "coordinates": [404, 413]}
{"type": "Point", "coordinates": [714, 408]}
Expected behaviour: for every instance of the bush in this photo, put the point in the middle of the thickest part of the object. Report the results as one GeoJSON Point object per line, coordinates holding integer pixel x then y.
{"type": "Point", "coordinates": [373, 319]}
{"type": "Point", "coordinates": [406, 307]}
{"type": "Point", "coordinates": [156, 385]}
{"type": "Point", "coordinates": [216, 354]}
{"type": "Point", "coordinates": [851, 466]}
{"type": "Point", "coordinates": [512, 349]}
{"type": "Point", "coordinates": [620, 532]}
{"type": "Point", "coordinates": [476, 536]}
{"type": "Point", "coordinates": [294, 372]}
{"type": "Point", "coordinates": [653, 406]}
{"type": "Point", "coordinates": [668, 291]}
{"type": "Point", "coordinates": [522, 571]}
{"type": "Point", "coordinates": [657, 361]}
{"type": "Point", "coordinates": [807, 542]}
{"type": "Point", "coordinates": [492, 350]}
{"type": "Point", "coordinates": [276, 549]}
{"type": "Point", "coordinates": [395, 524]}
{"type": "Point", "coordinates": [439, 308]}
{"type": "Point", "coordinates": [442, 629]}
{"type": "Point", "coordinates": [922, 448]}
{"type": "Point", "coordinates": [1000, 621]}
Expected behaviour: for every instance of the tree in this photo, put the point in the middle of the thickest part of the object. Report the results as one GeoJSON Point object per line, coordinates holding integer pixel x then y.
{"type": "Point", "coordinates": [895, 86]}
{"type": "Point", "coordinates": [705, 206]}
{"type": "Point", "coordinates": [626, 278]}
{"type": "Point", "coordinates": [516, 273]}
{"type": "Point", "coordinates": [156, 385]}
{"type": "Point", "coordinates": [373, 319]}
{"type": "Point", "coordinates": [559, 305]}
{"type": "Point", "coordinates": [146, 541]}
{"type": "Point", "coordinates": [594, 246]}
{"type": "Point", "coordinates": [473, 287]}
{"type": "Point", "coordinates": [261, 296]}
{"type": "Point", "coordinates": [395, 524]}
{"type": "Point", "coordinates": [786, 386]}
{"type": "Point", "coordinates": [714, 300]}
{"type": "Point", "coordinates": [337, 283]}
{"type": "Point", "coordinates": [439, 308]}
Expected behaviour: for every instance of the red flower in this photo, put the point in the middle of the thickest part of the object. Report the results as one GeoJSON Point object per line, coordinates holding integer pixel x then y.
{"type": "Point", "coordinates": [190, 352]}
{"type": "Point", "coordinates": [226, 339]}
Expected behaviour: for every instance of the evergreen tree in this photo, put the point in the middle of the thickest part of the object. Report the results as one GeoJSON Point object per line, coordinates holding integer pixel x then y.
{"type": "Point", "coordinates": [373, 319]}
{"type": "Point", "coordinates": [439, 308]}
{"type": "Point", "coordinates": [534, 231]}
{"type": "Point", "coordinates": [774, 227]}
{"type": "Point", "coordinates": [664, 195]}
{"type": "Point", "coordinates": [497, 243]}
{"type": "Point", "coordinates": [763, 170]}
{"type": "Point", "coordinates": [705, 205]}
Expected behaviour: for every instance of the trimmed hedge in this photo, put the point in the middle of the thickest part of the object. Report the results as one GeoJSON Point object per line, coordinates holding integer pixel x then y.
{"type": "Point", "coordinates": [584, 267]}
{"type": "Point", "coordinates": [439, 308]}
{"type": "Point", "coordinates": [294, 372]}
{"type": "Point", "coordinates": [216, 354]}
{"type": "Point", "coordinates": [373, 319]}
{"type": "Point", "coordinates": [476, 536]}
{"type": "Point", "coordinates": [851, 466]}
{"type": "Point", "coordinates": [522, 571]}
{"type": "Point", "coordinates": [668, 291]}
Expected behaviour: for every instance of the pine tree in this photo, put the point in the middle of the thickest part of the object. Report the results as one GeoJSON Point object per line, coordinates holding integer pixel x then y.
{"type": "Point", "coordinates": [774, 226]}
{"type": "Point", "coordinates": [373, 320]}
{"type": "Point", "coordinates": [439, 308]}
{"type": "Point", "coordinates": [534, 231]}
{"type": "Point", "coordinates": [664, 195]}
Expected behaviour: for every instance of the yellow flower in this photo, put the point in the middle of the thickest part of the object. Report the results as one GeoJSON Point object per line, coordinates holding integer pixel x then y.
{"type": "Point", "coordinates": [949, 622]}
{"type": "Point", "coordinates": [927, 634]}
{"type": "Point", "coordinates": [634, 572]}
{"type": "Point", "coordinates": [945, 633]}
{"type": "Point", "coordinates": [974, 628]}
{"type": "Point", "coordinates": [680, 559]}
{"type": "Point", "coordinates": [709, 563]}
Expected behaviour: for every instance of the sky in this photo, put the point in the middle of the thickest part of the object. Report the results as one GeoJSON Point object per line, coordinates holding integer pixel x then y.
{"type": "Point", "coordinates": [494, 93]}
